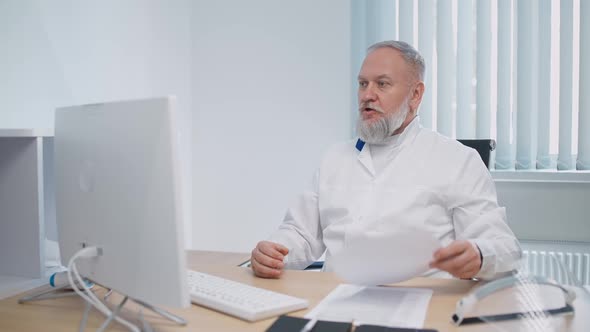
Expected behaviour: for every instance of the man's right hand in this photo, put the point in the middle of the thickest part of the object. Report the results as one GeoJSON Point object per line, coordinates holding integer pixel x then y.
{"type": "Point", "coordinates": [267, 259]}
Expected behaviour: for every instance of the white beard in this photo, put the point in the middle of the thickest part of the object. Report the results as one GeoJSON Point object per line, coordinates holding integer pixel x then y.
{"type": "Point", "coordinates": [376, 131]}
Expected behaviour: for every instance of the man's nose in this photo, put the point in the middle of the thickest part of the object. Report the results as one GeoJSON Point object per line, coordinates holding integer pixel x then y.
{"type": "Point", "coordinates": [368, 94]}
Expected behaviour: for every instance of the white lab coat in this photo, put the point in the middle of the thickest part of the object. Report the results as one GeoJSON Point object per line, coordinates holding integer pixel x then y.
{"type": "Point", "coordinates": [434, 183]}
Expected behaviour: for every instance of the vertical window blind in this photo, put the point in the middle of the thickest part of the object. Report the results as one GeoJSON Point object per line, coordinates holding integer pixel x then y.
{"type": "Point", "coordinates": [515, 71]}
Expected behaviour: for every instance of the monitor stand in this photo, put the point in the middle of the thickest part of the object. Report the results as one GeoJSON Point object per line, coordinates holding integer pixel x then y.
{"type": "Point", "coordinates": [65, 291]}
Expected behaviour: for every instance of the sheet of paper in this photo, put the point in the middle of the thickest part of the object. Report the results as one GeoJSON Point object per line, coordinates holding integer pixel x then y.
{"type": "Point", "coordinates": [379, 305]}
{"type": "Point", "coordinates": [385, 258]}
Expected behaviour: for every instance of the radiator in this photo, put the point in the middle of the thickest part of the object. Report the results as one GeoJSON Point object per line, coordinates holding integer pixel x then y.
{"type": "Point", "coordinates": [552, 264]}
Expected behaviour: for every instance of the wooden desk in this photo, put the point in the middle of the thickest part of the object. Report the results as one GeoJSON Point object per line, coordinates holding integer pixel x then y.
{"type": "Point", "coordinates": [65, 314]}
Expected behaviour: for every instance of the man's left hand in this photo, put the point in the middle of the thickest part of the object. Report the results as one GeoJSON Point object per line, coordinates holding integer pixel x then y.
{"type": "Point", "coordinates": [460, 258]}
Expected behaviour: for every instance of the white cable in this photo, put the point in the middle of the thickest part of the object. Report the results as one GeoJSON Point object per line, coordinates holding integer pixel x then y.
{"type": "Point", "coordinates": [89, 293]}
{"type": "Point", "coordinates": [89, 296]}
{"type": "Point", "coordinates": [71, 280]}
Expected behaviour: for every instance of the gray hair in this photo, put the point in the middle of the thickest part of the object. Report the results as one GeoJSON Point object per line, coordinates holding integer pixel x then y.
{"type": "Point", "coordinates": [409, 53]}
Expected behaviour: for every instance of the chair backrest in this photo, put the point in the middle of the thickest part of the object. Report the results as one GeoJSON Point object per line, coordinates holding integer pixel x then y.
{"type": "Point", "coordinates": [483, 146]}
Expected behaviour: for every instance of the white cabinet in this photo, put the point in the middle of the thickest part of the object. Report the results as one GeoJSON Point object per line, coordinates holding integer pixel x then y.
{"type": "Point", "coordinates": [26, 206]}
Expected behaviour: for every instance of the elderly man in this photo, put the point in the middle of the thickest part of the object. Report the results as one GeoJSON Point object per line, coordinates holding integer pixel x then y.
{"type": "Point", "coordinates": [396, 175]}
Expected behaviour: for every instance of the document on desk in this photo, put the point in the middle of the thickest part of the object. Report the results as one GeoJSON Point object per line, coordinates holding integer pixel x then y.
{"type": "Point", "coordinates": [379, 259]}
{"type": "Point", "coordinates": [377, 305]}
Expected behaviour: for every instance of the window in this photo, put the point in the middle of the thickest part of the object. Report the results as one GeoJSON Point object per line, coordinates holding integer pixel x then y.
{"type": "Point", "coordinates": [515, 71]}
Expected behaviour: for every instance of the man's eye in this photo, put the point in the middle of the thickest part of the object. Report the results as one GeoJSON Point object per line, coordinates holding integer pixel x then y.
{"type": "Point", "coordinates": [363, 84]}
{"type": "Point", "coordinates": [382, 84]}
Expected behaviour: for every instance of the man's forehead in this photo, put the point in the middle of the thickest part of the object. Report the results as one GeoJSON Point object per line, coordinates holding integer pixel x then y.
{"type": "Point", "coordinates": [374, 71]}
{"type": "Point", "coordinates": [384, 62]}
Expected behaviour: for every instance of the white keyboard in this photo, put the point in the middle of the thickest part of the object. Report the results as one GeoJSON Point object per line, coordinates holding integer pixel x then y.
{"type": "Point", "coordinates": [238, 299]}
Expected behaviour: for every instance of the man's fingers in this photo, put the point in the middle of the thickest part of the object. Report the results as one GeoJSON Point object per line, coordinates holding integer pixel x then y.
{"type": "Point", "coordinates": [282, 249]}
{"type": "Point", "coordinates": [273, 250]}
{"type": "Point", "coordinates": [453, 249]}
{"type": "Point", "coordinates": [264, 271]}
{"type": "Point", "coordinates": [267, 260]}
{"type": "Point", "coordinates": [453, 264]}
{"type": "Point", "coordinates": [465, 265]}
{"type": "Point", "coordinates": [468, 273]}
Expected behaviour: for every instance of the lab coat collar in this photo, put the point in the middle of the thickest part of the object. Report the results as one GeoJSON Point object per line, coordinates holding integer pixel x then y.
{"type": "Point", "coordinates": [408, 134]}
{"type": "Point", "coordinates": [365, 159]}
{"type": "Point", "coordinates": [360, 144]}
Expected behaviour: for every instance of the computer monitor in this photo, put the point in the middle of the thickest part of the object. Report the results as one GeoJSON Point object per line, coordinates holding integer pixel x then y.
{"type": "Point", "coordinates": [118, 188]}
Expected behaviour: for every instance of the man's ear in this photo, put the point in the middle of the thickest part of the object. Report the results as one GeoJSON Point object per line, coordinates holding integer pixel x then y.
{"type": "Point", "coordinates": [416, 96]}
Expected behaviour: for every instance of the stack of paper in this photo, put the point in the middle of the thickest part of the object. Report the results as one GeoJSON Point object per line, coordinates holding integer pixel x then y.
{"type": "Point", "coordinates": [385, 306]}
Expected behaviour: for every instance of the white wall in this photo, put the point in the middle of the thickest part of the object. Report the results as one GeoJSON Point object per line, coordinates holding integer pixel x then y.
{"type": "Point", "coordinates": [66, 52]}
{"type": "Point", "coordinates": [61, 52]}
{"type": "Point", "coordinates": [271, 91]}
{"type": "Point", "coordinates": [264, 86]}
{"type": "Point", "coordinates": [546, 206]}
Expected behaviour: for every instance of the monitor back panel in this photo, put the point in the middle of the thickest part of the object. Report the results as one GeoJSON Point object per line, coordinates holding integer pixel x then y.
{"type": "Point", "coordinates": [118, 188]}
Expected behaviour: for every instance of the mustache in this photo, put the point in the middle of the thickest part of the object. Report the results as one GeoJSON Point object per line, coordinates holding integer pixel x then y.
{"type": "Point", "coordinates": [371, 106]}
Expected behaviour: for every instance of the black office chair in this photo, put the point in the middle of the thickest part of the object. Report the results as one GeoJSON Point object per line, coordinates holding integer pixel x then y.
{"type": "Point", "coordinates": [483, 146]}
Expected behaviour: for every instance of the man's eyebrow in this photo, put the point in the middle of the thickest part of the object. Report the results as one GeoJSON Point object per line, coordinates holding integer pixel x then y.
{"type": "Point", "coordinates": [382, 76]}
